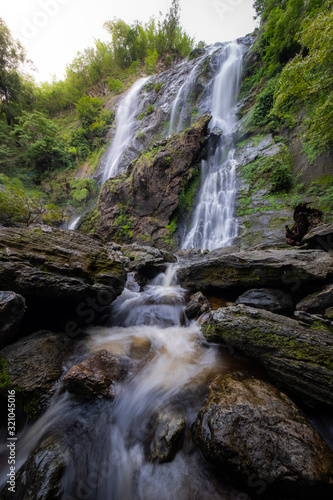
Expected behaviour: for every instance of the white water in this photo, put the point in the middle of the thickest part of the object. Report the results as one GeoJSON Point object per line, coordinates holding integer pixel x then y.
{"type": "Point", "coordinates": [182, 108]}
{"type": "Point", "coordinates": [213, 222]}
{"type": "Point", "coordinates": [107, 443]}
{"type": "Point", "coordinates": [72, 224]}
{"type": "Point", "coordinates": [125, 120]}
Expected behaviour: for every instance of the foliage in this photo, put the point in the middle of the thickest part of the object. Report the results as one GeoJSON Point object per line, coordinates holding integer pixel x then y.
{"type": "Point", "coordinates": [82, 190]}
{"type": "Point", "coordinates": [151, 60]}
{"type": "Point", "coordinates": [308, 80]}
{"type": "Point", "coordinates": [264, 104]}
{"type": "Point", "coordinates": [115, 85]}
{"type": "Point", "coordinates": [17, 208]}
{"type": "Point", "coordinates": [39, 145]}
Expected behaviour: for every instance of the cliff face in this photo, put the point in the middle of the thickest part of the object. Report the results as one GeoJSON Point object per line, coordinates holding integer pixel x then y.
{"type": "Point", "coordinates": [143, 203]}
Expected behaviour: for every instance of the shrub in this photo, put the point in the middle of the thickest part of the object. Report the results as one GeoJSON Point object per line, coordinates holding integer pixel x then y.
{"type": "Point", "coordinates": [115, 85]}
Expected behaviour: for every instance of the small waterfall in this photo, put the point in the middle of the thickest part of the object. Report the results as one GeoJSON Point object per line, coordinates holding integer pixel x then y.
{"type": "Point", "coordinates": [213, 222]}
{"type": "Point", "coordinates": [181, 109]}
{"type": "Point", "coordinates": [125, 120]}
{"type": "Point", "coordinates": [72, 225]}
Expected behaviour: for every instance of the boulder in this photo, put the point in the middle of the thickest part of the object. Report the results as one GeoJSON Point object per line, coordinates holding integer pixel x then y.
{"type": "Point", "coordinates": [139, 204]}
{"type": "Point", "coordinates": [243, 270]}
{"type": "Point", "coordinates": [297, 356]}
{"type": "Point", "coordinates": [317, 302]}
{"type": "Point", "coordinates": [254, 433]}
{"type": "Point", "coordinates": [320, 237]}
{"type": "Point", "coordinates": [59, 269]}
{"type": "Point", "coordinates": [270, 299]}
{"type": "Point", "coordinates": [32, 366]}
{"type": "Point", "coordinates": [94, 377]}
{"type": "Point", "coordinates": [146, 262]}
{"type": "Point", "coordinates": [12, 308]}
{"type": "Point", "coordinates": [40, 477]}
{"type": "Point", "coordinates": [197, 306]}
{"type": "Point", "coordinates": [168, 435]}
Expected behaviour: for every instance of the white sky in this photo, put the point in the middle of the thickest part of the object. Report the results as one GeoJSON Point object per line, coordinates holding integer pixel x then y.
{"type": "Point", "coordinates": [53, 31]}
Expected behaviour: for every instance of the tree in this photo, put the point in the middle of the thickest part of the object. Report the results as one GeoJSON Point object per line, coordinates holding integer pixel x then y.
{"type": "Point", "coordinates": [11, 56]}
{"type": "Point", "coordinates": [39, 144]}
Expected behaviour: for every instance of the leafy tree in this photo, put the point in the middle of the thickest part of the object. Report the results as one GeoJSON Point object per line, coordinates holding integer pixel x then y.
{"type": "Point", "coordinates": [39, 145]}
{"type": "Point", "coordinates": [308, 80]}
{"type": "Point", "coordinates": [18, 208]}
{"type": "Point", "coordinates": [11, 57]}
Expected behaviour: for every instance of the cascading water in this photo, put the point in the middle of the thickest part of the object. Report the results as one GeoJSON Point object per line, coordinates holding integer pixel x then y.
{"type": "Point", "coordinates": [125, 120]}
{"type": "Point", "coordinates": [110, 445]}
{"type": "Point", "coordinates": [213, 222]}
{"type": "Point", "coordinates": [181, 109]}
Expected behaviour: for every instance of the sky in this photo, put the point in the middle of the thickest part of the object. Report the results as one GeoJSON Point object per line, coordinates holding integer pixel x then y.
{"type": "Point", "coordinates": [53, 31]}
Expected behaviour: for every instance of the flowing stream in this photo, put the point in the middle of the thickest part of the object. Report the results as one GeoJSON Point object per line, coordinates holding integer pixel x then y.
{"type": "Point", "coordinates": [213, 222]}
{"type": "Point", "coordinates": [110, 445]}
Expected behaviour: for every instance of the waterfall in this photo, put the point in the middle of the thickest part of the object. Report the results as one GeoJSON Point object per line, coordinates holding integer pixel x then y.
{"type": "Point", "coordinates": [125, 121]}
{"type": "Point", "coordinates": [213, 222]}
{"type": "Point", "coordinates": [181, 109]}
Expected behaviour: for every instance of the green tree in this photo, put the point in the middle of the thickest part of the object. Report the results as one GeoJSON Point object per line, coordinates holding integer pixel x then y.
{"type": "Point", "coordinates": [39, 145]}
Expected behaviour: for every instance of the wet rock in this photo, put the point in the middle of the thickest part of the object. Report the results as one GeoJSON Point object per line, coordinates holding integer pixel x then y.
{"type": "Point", "coordinates": [197, 306]}
{"type": "Point", "coordinates": [317, 302]}
{"type": "Point", "coordinates": [269, 299]}
{"type": "Point", "coordinates": [320, 237]}
{"type": "Point", "coordinates": [297, 356]}
{"type": "Point", "coordinates": [167, 438]}
{"type": "Point", "coordinates": [244, 270]}
{"type": "Point", "coordinates": [12, 308]}
{"type": "Point", "coordinates": [40, 477]}
{"type": "Point", "coordinates": [312, 319]}
{"type": "Point", "coordinates": [139, 204]}
{"type": "Point", "coordinates": [32, 366]}
{"type": "Point", "coordinates": [329, 313]}
{"type": "Point", "coordinates": [146, 262]}
{"type": "Point", "coordinates": [250, 430]}
{"type": "Point", "coordinates": [94, 377]}
{"type": "Point", "coordinates": [58, 269]}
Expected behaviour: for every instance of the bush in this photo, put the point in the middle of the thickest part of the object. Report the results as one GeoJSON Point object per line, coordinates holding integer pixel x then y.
{"type": "Point", "coordinates": [116, 85]}
{"type": "Point", "coordinates": [281, 178]}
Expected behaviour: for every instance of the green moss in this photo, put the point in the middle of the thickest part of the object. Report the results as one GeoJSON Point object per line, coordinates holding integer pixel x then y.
{"type": "Point", "coordinates": [31, 408]}
{"type": "Point", "coordinates": [5, 382]}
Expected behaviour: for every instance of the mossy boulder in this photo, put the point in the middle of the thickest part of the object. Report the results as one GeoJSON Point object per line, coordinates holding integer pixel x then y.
{"type": "Point", "coordinates": [255, 269]}
{"type": "Point", "coordinates": [141, 204]}
{"type": "Point", "coordinates": [298, 357]}
{"type": "Point", "coordinates": [58, 269]}
{"type": "Point", "coordinates": [255, 435]}
{"type": "Point", "coordinates": [32, 366]}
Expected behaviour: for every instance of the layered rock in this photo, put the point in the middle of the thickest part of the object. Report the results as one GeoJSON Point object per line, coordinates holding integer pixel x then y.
{"type": "Point", "coordinates": [12, 308]}
{"type": "Point", "coordinates": [32, 367]}
{"type": "Point", "coordinates": [254, 433]}
{"type": "Point", "coordinates": [317, 302]}
{"type": "Point", "coordinates": [320, 237]}
{"type": "Point", "coordinates": [270, 299]}
{"type": "Point", "coordinates": [254, 269]}
{"type": "Point", "coordinates": [198, 305]}
{"type": "Point", "coordinates": [94, 377]}
{"type": "Point", "coordinates": [297, 356]}
{"type": "Point", "coordinates": [58, 269]}
{"type": "Point", "coordinates": [139, 204]}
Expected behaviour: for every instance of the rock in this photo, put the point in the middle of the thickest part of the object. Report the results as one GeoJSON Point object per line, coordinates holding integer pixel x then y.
{"type": "Point", "coordinates": [251, 431]}
{"type": "Point", "coordinates": [146, 262]}
{"type": "Point", "coordinates": [243, 270]}
{"type": "Point", "coordinates": [139, 204]}
{"type": "Point", "coordinates": [40, 477]}
{"type": "Point", "coordinates": [297, 357]}
{"type": "Point", "coordinates": [320, 237]}
{"type": "Point", "coordinates": [317, 302]}
{"type": "Point", "coordinates": [95, 375]}
{"type": "Point", "coordinates": [167, 438]}
{"type": "Point", "coordinates": [197, 306]}
{"type": "Point", "coordinates": [329, 313]}
{"type": "Point", "coordinates": [312, 319]}
{"type": "Point", "coordinates": [12, 307]}
{"type": "Point", "coordinates": [59, 269]}
{"type": "Point", "coordinates": [270, 299]}
{"type": "Point", "coordinates": [32, 366]}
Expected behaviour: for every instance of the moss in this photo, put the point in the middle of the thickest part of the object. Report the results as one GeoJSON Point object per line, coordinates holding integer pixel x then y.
{"type": "Point", "coordinates": [5, 382]}
{"type": "Point", "coordinates": [31, 408]}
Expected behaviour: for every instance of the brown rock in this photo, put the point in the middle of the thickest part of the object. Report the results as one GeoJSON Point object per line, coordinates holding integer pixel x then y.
{"type": "Point", "coordinates": [96, 374]}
